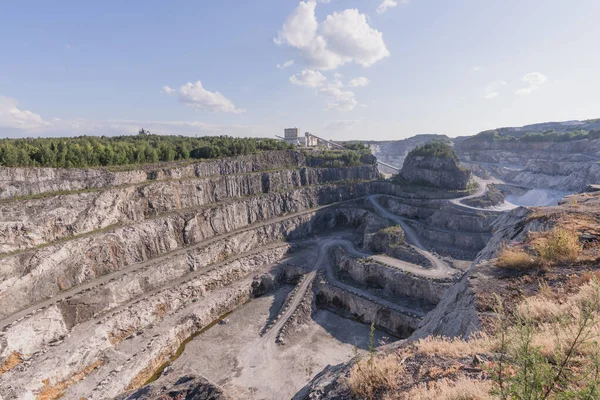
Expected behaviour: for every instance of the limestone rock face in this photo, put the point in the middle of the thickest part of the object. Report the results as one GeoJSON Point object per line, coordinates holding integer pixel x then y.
{"type": "Point", "coordinates": [567, 166]}
{"type": "Point", "coordinates": [440, 172]}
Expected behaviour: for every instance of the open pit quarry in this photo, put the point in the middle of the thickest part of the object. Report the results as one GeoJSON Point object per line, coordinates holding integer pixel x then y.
{"type": "Point", "coordinates": [238, 278]}
{"type": "Point", "coordinates": [109, 277]}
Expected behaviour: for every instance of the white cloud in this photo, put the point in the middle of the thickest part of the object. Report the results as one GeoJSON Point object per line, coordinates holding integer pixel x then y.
{"type": "Point", "coordinates": [493, 89]}
{"type": "Point", "coordinates": [338, 99]}
{"type": "Point", "coordinates": [349, 35]}
{"type": "Point", "coordinates": [167, 90]}
{"type": "Point", "coordinates": [196, 96]}
{"type": "Point", "coordinates": [337, 75]}
{"type": "Point", "coordinates": [385, 5]}
{"type": "Point", "coordinates": [525, 91]}
{"type": "Point", "coordinates": [342, 124]}
{"type": "Point", "coordinates": [300, 28]}
{"type": "Point", "coordinates": [342, 38]}
{"type": "Point", "coordinates": [308, 78]}
{"type": "Point", "coordinates": [535, 78]}
{"type": "Point", "coordinates": [285, 64]}
{"type": "Point", "coordinates": [361, 81]}
{"type": "Point", "coordinates": [476, 68]}
{"type": "Point", "coordinates": [13, 117]}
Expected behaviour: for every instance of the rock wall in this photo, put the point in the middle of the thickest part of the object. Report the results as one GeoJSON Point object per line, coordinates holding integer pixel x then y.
{"type": "Point", "coordinates": [36, 274]}
{"type": "Point", "coordinates": [440, 172]}
{"type": "Point", "coordinates": [350, 305]}
{"type": "Point", "coordinates": [29, 223]}
{"type": "Point", "coordinates": [16, 182]}
{"type": "Point", "coordinates": [568, 166]}
{"type": "Point", "coordinates": [390, 282]}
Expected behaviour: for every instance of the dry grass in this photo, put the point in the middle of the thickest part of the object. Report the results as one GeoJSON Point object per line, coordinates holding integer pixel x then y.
{"type": "Point", "coordinates": [374, 377]}
{"type": "Point", "coordinates": [559, 246]}
{"type": "Point", "coordinates": [557, 323]}
{"type": "Point", "coordinates": [540, 309]}
{"type": "Point", "coordinates": [446, 389]}
{"type": "Point", "coordinates": [56, 391]}
{"type": "Point", "coordinates": [516, 258]}
{"type": "Point", "coordinates": [453, 347]}
{"type": "Point", "coordinates": [11, 361]}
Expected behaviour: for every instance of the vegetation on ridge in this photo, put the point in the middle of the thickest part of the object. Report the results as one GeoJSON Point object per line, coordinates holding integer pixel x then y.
{"type": "Point", "coordinates": [434, 149]}
{"type": "Point", "coordinates": [144, 148]}
{"type": "Point", "coordinates": [355, 153]}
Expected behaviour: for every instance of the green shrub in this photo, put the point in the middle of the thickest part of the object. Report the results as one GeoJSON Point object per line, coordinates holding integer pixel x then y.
{"type": "Point", "coordinates": [434, 149]}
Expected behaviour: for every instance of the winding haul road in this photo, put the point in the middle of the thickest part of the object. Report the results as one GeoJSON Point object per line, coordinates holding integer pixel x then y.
{"type": "Point", "coordinates": [440, 270]}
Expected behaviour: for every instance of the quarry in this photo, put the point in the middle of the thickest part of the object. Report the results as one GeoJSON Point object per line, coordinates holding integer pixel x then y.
{"type": "Point", "coordinates": [262, 276]}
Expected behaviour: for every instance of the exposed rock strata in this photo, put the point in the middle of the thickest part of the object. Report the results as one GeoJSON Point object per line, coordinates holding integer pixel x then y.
{"type": "Point", "coordinates": [389, 282]}
{"type": "Point", "coordinates": [440, 172]}
{"type": "Point", "coordinates": [567, 166]}
{"type": "Point", "coordinates": [29, 223]}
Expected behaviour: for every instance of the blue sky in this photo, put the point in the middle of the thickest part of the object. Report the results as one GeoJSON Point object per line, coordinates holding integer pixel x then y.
{"type": "Point", "coordinates": [362, 69]}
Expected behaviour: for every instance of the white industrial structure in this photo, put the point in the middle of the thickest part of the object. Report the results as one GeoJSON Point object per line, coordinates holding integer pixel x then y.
{"type": "Point", "coordinates": [310, 140]}
{"type": "Point", "coordinates": [292, 136]}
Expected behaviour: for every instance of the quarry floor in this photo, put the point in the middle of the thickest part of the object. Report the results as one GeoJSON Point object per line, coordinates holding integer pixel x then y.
{"type": "Point", "coordinates": [236, 357]}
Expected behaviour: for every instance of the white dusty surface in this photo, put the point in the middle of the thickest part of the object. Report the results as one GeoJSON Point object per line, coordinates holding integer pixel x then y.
{"type": "Point", "coordinates": [249, 366]}
{"type": "Point", "coordinates": [538, 197]}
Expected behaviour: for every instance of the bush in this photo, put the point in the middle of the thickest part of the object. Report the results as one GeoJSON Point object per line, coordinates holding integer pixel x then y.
{"type": "Point", "coordinates": [550, 355]}
{"type": "Point", "coordinates": [516, 258]}
{"type": "Point", "coordinates": [373, 377]}
{"type": "Point", "coordinates": [434, 149]}
{"type": "Point", "coordinates": [560, 246]}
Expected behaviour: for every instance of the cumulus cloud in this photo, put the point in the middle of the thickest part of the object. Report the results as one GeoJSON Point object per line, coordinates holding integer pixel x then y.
{"type": "Point", "coordinates": [385, 5]}
{"type": "Point", "coordinates": [342, 124]}
{"type": "Point", "coordinates": [167, 90]}
{"type": "Point", "coordinates": [196, 96]}
{"type": "Point", "coordinates": [534, 79]}
{"type": "Point", "coordinates": [285, 64]}
{"type": "Point", "coordinates": [349, 35]}
{"type": "Point", "coordinates": [490, 95]}
{"type": "Point", "coordinates": [338, 99]}
{"type": "Point", "coordinates": [308, 78]}
{"type": "Point", "coordinates": [361, 81]}
{"type": "Point", "coordinates": [15, 118]}
{"type": "Point", "coordinates": [343, 37]}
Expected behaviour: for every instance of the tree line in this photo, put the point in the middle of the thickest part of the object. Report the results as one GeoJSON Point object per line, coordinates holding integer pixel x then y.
{"type": "Point", "coordinates": [144, 148]}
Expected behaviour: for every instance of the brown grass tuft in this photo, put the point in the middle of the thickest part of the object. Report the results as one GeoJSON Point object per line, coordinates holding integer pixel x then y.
{"type": "Point", "coordinates": [372, 378]}
{"type": "Point", "coordinates": [515, 258]}
{"type": "Point", "coordinates": [445, 389]}
{"type": "Point", "coordinates": [453, 347]}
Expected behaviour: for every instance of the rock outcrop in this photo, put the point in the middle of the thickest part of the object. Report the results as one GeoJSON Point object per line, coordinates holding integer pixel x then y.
{"type": "Point", "coordinates": [427, 165]}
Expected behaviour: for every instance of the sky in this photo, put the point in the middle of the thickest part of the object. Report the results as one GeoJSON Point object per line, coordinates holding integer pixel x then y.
{"type": "Point", "coordinates": [341, 69]}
